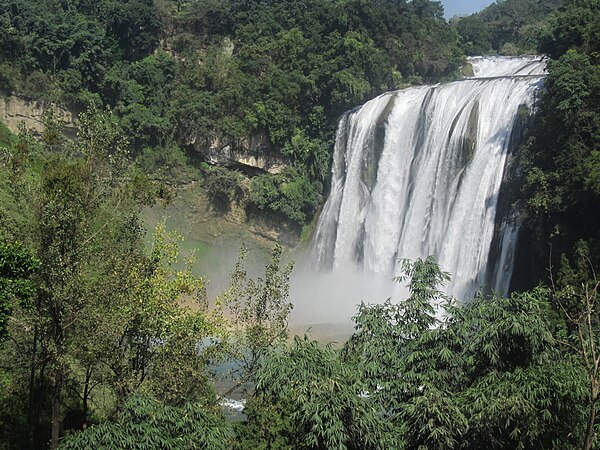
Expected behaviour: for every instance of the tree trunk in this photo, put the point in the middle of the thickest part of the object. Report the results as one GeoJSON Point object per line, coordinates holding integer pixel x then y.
{"type": "Point", "coordinates": [86, 394]}
{"type": "Point", "coordinates": [31, 415]}
{"type": "Point", "coordinates": [589, 432]}
{"type": "Point", "coordinates": [56, 404]}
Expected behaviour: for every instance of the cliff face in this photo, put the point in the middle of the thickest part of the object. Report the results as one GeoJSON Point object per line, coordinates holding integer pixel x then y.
{"type": "Point", "coordinates": [249, 154]}
{"type": "Point", "coordinates": [15, 109]}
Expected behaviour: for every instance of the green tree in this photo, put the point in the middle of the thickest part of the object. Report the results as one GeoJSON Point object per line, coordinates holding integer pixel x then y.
{"type": "Point", "coordinates": [100, 305]}
{"type": "Point", "coordinates": [507, 24]}
{"type": "Point", "coordinates": [559, 163]}
{"type": "Point", "coordinates": [149, 339]}
{"type": "Point", "coordinates": [223, 187]}
{"type": "Point", "coordinates": [384, 332]}
{"type": "Point", "coordinates": [475, 35]}
{"type": "Point", "coordinates": [481, 375]}
{"type": "Point", "coordinates": [289, 195]}
{"type": "Point", "coordinates": [576, 291]}
{"type": "Point", "coordinates": [259, 311]}
{"type": "Point", "coordinates": [78, 202]}
{"type": "Point", "coordinates": [307, 397]}
{"type": "Point", "coordinates": [17, 267]}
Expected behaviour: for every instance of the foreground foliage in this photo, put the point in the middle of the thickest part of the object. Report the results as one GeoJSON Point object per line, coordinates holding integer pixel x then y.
{"type": "Point", "coordinates": [92, 316]}
{"type": "Point", "coordinates": [98, 338]}
{"type": "Point", "coordinates": [145, 423]}
{"type": "Point", "coordinates": [494, 373]}
{"type": "Point", "coordinates": [307, 397]}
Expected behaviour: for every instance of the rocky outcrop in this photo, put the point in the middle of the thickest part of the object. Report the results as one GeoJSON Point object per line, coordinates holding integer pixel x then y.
{"type": "Point", "coordinates": [254, 153]}
{"type": "Point", "coordinates": [16, 109]}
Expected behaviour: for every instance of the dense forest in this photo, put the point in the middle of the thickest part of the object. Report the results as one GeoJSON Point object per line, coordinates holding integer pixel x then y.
{"type": "Point", "coordinates": [107, 341]}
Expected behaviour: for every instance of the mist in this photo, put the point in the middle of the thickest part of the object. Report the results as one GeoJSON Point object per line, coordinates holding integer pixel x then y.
{"type": "Point", "coordinates": [334, 297]}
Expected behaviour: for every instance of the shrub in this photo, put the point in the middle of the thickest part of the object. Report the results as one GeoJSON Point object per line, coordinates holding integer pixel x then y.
{"type": "Point", "coordinates": [223, 187]}
{"type": "Point", "coordinates": [289, 194]}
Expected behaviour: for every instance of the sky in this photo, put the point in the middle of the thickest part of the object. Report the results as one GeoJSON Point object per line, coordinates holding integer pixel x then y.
{"type": "Point", "coordinates": [463, 7]}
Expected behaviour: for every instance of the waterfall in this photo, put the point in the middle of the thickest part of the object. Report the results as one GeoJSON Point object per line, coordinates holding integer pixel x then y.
{"type": "Point", "coordinates": [419, 171]}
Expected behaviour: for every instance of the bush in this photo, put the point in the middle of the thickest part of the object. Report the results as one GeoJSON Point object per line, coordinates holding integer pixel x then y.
{"type": "Point", "coordinates": [223, 187]}
{"type": "Point", "coordinates": [155, 159]}
{"type": "Point", "coordinates": [9, 77]}
{"type": "Point", "coordinates": [144, 422]}
{"type": "Point", "coordinates": [289, 194]}
{"type": "Point", "coordinates": [6, 137]}
{"type": "Point", "coordinates": [38, 85]}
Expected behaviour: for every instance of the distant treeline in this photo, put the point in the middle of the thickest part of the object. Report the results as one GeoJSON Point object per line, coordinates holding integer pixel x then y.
{"type": "Point", "coordinates": [508, 27]}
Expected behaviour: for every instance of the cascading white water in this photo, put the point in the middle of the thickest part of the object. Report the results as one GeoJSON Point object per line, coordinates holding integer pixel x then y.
{"type": "Point", "coordinates": [418, 172]}
{"type": "Point", "coordinates": [506, 66]}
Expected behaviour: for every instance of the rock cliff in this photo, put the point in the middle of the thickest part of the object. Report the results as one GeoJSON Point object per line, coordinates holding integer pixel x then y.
{"type": "Point", "coordinates": [249, 154]}
{"type": "Point", "coordinates": [16, 109]}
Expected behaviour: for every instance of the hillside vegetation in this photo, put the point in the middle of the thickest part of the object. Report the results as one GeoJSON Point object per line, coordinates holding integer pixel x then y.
{"type": "Point", "coordinates": [214, 72]}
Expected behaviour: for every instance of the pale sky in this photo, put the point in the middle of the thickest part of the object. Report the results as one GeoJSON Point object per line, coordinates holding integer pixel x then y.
{"type": "Point", "coordinates": [463, 7]}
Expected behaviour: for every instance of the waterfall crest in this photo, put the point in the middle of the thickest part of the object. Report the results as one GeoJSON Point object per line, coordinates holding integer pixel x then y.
{"type": "Point", "coordinates": [418, 172]}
